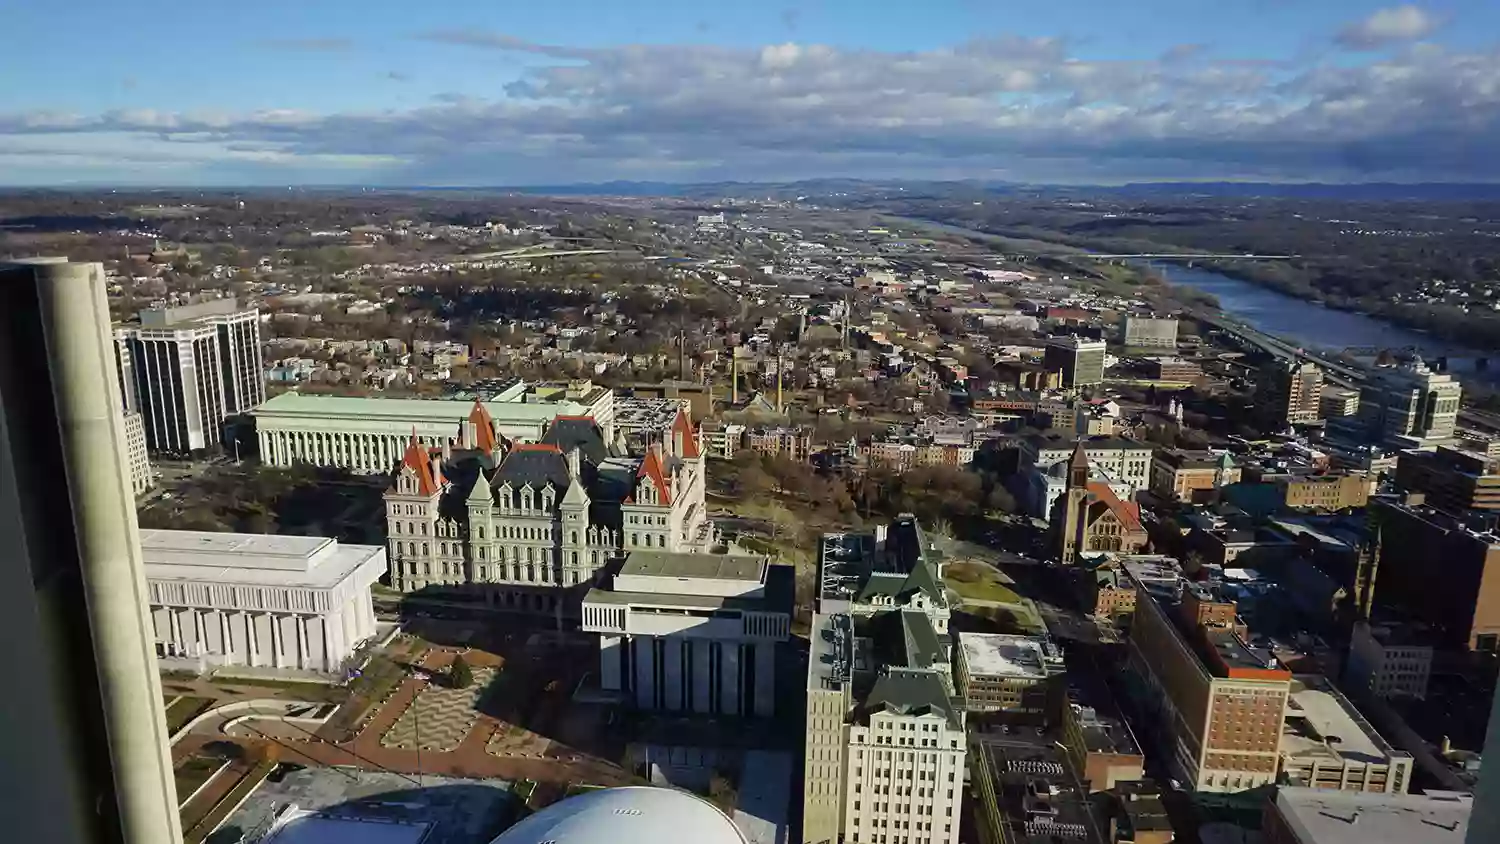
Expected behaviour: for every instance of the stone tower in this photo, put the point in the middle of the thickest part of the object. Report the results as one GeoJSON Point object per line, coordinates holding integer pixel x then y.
{"type": "Point", "coordinates": [1075, 502]}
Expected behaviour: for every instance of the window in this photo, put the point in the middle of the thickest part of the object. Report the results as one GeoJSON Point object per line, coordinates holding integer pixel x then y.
{"type": "Point", "coordinates": [398, 527]}
{"type": "Point", "coordinates": [481, 531]}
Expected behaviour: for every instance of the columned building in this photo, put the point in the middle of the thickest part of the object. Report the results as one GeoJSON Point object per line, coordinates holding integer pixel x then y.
{"type": "Point", "coordinates": [295, 603]}
{"type": "Point", "coordinates": [692, 632]}
{"type": "Point", "coordinates": [369, 435]}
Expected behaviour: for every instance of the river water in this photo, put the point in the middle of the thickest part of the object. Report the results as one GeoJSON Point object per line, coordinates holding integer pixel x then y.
{"type": "Point", "coordinates": [1313, 326]}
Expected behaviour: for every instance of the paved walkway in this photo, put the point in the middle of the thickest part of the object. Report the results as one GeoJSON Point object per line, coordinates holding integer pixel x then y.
{"type": "Point", "coordinates": [469, 759]}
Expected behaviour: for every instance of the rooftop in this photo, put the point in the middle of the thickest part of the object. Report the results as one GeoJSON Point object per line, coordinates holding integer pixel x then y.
{"type": "Point", "coordinates": [449, 409]}
{"type": "Point", "coordinates": [1004, 655]}
{"type": "Point", "coordinates": [705, 566]}
{"type": "Point", "coordinates": [1322, 722]}
{"type": "Point", "coordinates": [250, 558]}
{"type": "Point", "coordinates": [1323, 816]}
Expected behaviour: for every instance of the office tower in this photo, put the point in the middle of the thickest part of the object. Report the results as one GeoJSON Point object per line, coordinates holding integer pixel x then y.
{"type": "Point", "coordinates": [85, 739]}
{"type": "Point", "coordinates": [1221, 704]}
{"type": "Point", "coordinates": [1408, 406]}
{"type": "Point", "coordinates": [885, 726]}
{"type": "Point", "coordinates": [1080, 361]}
{"type": "Point", "coordinates": [1150, 332]}
{"type": "Point", "coordinates": [190, 368]}
{"type": "Point", "coordinates": [1289, 393]}
{"type": "Point", "coordinates": [136, 459]}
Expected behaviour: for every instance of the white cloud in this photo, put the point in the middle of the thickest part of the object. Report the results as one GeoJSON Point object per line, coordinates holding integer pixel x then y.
{"type": "Point", "coordinates": [1025, 107]}
{"type": "Point", "coordinates": [1393, 25]}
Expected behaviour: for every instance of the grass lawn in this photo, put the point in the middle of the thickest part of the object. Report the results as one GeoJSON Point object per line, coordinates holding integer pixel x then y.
{"type": "Point", "coordinates": [975, 582]}
{"type": "Point", "coordinates": [193, 773]}
{"type": "Point", "coordinates": [185, 709]}
{"type": "Point", "coordinates": [984, 591]}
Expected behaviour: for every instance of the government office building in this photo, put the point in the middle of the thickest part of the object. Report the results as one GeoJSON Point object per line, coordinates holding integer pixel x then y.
{"type": "Point", "coordinates": [294, 603]}
{"type": "Point", "coordinates": [370, 435]}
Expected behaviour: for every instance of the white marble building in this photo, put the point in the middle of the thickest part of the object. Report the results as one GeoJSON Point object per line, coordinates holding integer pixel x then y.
{"type": "Point", "coordinates": [299, 603]}
{"type": "Point", "coordinates": [370, 435]}
{"type": "Point", "coordinates": [692, 632]}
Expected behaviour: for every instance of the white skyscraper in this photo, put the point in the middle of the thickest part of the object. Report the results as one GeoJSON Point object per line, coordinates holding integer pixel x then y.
{"type": "Point", "coordinates": [187, 369]}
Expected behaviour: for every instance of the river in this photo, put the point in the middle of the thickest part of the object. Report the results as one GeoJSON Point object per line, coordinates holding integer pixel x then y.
{"type": "Point", "coordinates": [1294, 320]}
{"type": "Point", "coordinates": [1313, 326]}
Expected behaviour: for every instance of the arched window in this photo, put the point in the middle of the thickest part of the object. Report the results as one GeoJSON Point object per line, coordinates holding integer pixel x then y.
{"type": "Point", "coordinates": [481, 531]}
{"type": "Point", "coordinates": [398, 527]}
{"type": "Point", "coordinates": [481, 553]}
{"type": "Point", "coordinates": [424, 549]}
{"type": "Point", "coordinates": [574, 540]}
{"type": "Point", "coordinates": [529, 557]}
{"type": "Point", "coordinates": [575, 558]}
{"type": "Point", "coordinates": [635, 539]}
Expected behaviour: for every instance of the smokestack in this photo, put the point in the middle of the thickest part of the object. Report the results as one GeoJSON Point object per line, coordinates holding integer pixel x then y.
{"type": "Point", "coordinates": [734, 376]}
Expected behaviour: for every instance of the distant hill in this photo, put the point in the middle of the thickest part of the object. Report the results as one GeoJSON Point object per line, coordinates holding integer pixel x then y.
{"type": "Point", "coordinates": [1364, 191]}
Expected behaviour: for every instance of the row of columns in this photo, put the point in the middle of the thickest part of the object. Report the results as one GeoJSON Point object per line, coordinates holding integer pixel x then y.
{"type": "Point", "coordinates": [264, 639]}
{"type": "Point", "coordinates": [360, 452]}
{"type": "Point", "coordinates": [682, 674]}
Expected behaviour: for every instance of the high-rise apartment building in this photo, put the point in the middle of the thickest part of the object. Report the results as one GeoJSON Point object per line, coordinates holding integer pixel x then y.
{"type": "Point", "coordinates": [1081, 361]}
{"type": "Point", "coordinates": [1221, 704]}
{"type": "Point", "coordinates": [1408, 406]}
{"type": "Point", "coordinates": [186, 369]}
{"type": "Point", "coordinates": [885, 743]}
{"type": "Point", "coordinates": [86, 755]}
{"type": "Point", "coordinates": [1289, 393]}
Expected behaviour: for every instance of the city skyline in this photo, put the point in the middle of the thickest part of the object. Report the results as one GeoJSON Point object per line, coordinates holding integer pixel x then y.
{"type": "Point", "coordinates": [1073, 92]}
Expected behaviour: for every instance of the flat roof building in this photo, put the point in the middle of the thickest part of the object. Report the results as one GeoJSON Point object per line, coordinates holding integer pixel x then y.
{"type": "Point", "coordinates": [1326, 743]}
{"type": "Point", "coordinates": [692, 632]}
{"type": "Point", "coordinates": [370, 435]}
{"type": "Point", "coordinates": [1150, 332]}
{"type": "Point", "coordinates": [1081, 361]}
{"type": "Point", "coordinates": [297, 603]}
{"type": "Point", "coordinates": [1319, 816]}
{"type": "Point", "coordinates": [1004, 673]}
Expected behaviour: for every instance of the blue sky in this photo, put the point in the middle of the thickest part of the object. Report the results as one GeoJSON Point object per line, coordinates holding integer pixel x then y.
{"type": "Point", "coordinates": [375, 92]}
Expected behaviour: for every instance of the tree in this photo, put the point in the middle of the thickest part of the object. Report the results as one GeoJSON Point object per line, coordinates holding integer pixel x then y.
{"type": "Point", "coordinates": [460, 676]}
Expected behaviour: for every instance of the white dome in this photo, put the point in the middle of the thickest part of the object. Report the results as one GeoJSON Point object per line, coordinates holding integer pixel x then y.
{"type": "Point", "coordinates": [631, 815]}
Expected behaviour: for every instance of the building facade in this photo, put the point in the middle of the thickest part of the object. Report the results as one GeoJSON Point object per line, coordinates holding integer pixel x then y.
{"type": "Point", "coordinates": [692, 632]}
{"type": "Point", "coordinates": [1089, 519]}
{"type": "Point", "coordinates": [1438, 571]}
{"type": "Point", "coordinates": [885, 744]}
{"type": "Point", "coordinates": [1005, 673]}
{"type": "Point", "coordinates": [1220, 705]}
{"type": "Point", "coordinates": [1408, 406]}
{"type": "Point", "coordinates": [370, 435]}
{"type": "Point", "coordinates": [1289, 393]}
{"type": "Point", "coordinates": [1326, 743]}
{"type": "Point", "coordinates": [529, 526]}
{"type": "Point", "coordinates": [186, 369]}
{"type": "Point", "coordinates": [278, 602]}
{"type": "Point", "coordinates": [1451, 479]}
{"type": "Point", "coordinates": [1177, 474]}
{"type": "Point", "coordinates": [1125, 459]}
{"type": "Point", "coordinates": [1150, 332]}
{"type": "Point", "coordinates": [136, 458]}
{"type": "Point", "coordinates": [1080, 361]}
{"type": "Point", "coordinates": [1335, 491]}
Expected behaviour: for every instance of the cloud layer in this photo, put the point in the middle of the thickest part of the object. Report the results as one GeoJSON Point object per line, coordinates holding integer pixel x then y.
{"type": "Point", "coordinates": [999, 108]}
{"type": "Point", "coordinates": [1394, 25]}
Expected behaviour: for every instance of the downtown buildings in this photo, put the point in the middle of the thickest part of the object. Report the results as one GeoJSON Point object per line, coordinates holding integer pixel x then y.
{"type": "Point", "coordinates": [1406, 406]}
{"type": "Point", "coordinates": [187, 369]}
{"type": "Point", "coordinates": [885, 744]}
{"type": "Point", "coordinates": [1289, 393]}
